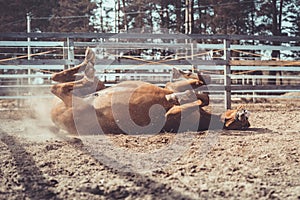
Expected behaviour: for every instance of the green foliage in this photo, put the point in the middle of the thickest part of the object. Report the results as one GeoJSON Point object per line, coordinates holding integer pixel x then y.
{"type": "Point", "coordinates": [13, 14]}
{"type": "Point", "coordinates": [72, 16]}
{"type": "Point", "coordinates": [47, 15]}
{"type": "Point", "coordinates": [273, 17]}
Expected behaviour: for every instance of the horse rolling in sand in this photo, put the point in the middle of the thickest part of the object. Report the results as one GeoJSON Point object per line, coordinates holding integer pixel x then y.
{"type": "Point", "coordinates": [133, 107]}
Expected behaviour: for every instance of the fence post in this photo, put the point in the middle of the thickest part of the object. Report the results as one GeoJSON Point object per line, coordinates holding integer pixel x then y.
{"type": "Point", "coordinates": [71, 56]}
{"type": "Point", "coordinates": [18, 91]}
{"type": "Point", "coordinates": [28, 41]}
{"type": "Point", "coordinates": [254, 93]}
{"type": "Point", "coordinates": [227, 72]}
{"type": "Point", "coordinates": [192, 51]}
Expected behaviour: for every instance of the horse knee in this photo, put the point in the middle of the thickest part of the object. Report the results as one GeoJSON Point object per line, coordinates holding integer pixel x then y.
{"type": "Point", "coordinates": [64, 76]}
{"type": "Point", "coordinates": [59, 89]}
{"type": "Point", "coordinates": [54, 89]}
{"type": "Point", "coordinates": [56, 77]}
{"type": "Point", "coordinates": [204, 97]}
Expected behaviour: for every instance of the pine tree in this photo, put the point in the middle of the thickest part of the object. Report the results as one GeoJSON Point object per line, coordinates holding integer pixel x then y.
{"type": "Point", "coordinates": [13, 14]}
{"type": "Point", "coordinates": [72, 16]}
{"type": "Point", "coordinates": [229, 17]}
{"type": "Point", "coordinates": [202, 17]}
{"type": "Point", "coordinates": [275, 16]}
{"type": "Point", "coordinates": [293, 18]}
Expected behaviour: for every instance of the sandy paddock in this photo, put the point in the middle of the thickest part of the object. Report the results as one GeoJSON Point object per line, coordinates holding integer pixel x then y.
{"type": "Point", "coordinates": [260, 163]}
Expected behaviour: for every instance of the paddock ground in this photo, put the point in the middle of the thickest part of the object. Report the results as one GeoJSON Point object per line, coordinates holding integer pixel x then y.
{"type": "Point", "coordinates": [260, 163]}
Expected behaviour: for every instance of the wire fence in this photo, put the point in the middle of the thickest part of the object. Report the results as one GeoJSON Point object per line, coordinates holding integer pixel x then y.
{"type": "Point", "coordinates": [237, 69]}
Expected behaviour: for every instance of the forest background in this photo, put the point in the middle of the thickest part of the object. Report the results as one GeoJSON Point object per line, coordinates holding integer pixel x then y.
{"type": "Point", "coordinates": [241, 17]}
{"type": "Point", "coordinates": [244, 17]}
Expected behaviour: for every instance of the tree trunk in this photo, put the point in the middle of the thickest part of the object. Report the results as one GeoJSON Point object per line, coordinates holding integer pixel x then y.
{"type": "Point", "coordinates": [125, 16]}
{"type": "Point", "coordinates": [178, 16]}
{"type": "Point", "coordinates": [276, 30]}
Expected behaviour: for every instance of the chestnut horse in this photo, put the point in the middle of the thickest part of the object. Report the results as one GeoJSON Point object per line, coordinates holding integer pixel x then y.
{"type": "Point", "coordinates": [132, 107]}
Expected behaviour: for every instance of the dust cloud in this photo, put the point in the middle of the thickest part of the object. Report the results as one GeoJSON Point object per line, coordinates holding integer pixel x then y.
{"type": "Point", "coordinates": [38, 125]}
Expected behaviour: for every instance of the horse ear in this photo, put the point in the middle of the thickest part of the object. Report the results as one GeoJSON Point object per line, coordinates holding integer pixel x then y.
{"type": "Point", "coordinates": [243, 106]}
{"type": "Point", "coordinates": [228, 117]}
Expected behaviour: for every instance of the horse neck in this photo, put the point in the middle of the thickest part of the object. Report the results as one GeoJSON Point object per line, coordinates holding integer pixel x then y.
{"type": "Point", "coordinates": [211, 121]}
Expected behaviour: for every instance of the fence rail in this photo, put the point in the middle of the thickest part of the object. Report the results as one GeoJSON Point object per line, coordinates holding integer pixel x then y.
{"type": "Point", "coordinates": [230, 60]}
{"type": "Point", "coordinates": [22, 35]}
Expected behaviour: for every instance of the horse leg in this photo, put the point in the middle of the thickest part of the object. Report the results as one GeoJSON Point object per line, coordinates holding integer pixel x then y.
{"type": "Point", "coordinates": [68, 75]}
{"type": "Point", "coordinates": [177, 109]}
{"type": "Point", "coordinates": [188, 96]}
{"type": "Point", "coordinates": [183, 85]}
{"type": "Point", "coordinates": [79, 117]}
{"type": "Point", "coordinates": [205, 79]}
{"type": "Point", "coordinates": [80, 87]}
{"type": "Point", "coordinates": [86, 85]}
{"type": "Point", "coordinates": [63, 91]}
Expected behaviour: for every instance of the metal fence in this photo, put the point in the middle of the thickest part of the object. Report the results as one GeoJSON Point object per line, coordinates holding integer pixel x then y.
{"type": "Point", "coordinates": [239, 66]}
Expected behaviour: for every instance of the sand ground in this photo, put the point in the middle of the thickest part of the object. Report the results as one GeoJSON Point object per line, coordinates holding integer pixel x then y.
{"type": "Point", "coordinates": [260, 163]}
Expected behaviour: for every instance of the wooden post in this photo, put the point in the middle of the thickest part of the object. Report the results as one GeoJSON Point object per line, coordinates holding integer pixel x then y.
{"type": "Point", "coordinates": [192, 49]}
{"type": "Point", "coordinates": [65, 53]}
{"type": "Point", "coordinates": [186, 24]}
{"type": "Point", "coordinates": [190, 16]}
{"type": "Point", "coordinates": [254, 93]}
{"type": "Point", "coordinates": [18, 92]}
{"type": "Point", "coordinates": [71, 56]}
{"type": "Point", "coordinates": [227, 72]}
{"type": "Point", "coordinates": [28, 46]}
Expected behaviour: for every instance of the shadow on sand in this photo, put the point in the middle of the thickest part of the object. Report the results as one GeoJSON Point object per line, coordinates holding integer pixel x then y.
{"type": "Point", "coordinates": [38, 187]}
{"type": "Point", "coordinates": [247, 132]}
{"type": "Point", "coordinates": [32, 178]}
